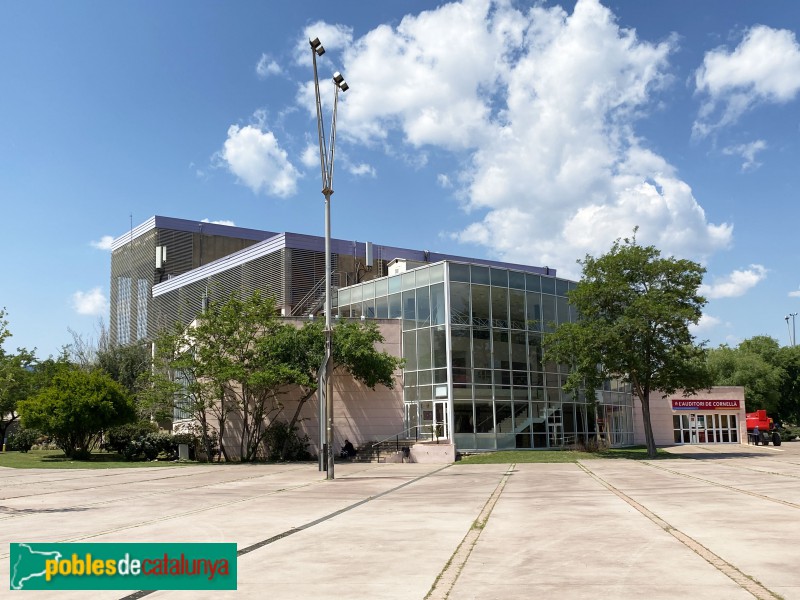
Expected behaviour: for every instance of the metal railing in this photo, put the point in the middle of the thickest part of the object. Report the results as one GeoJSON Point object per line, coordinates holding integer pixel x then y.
{"type": "Point", "coordinates": [418, 434]}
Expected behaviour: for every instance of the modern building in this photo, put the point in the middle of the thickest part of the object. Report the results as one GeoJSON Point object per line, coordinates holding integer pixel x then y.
{"type": "Point", "coordinates": [470, 331]}
{"type": "Point", "coordinates": [474, 372]}
{"type": "Point", "coordinates": [715, 416]}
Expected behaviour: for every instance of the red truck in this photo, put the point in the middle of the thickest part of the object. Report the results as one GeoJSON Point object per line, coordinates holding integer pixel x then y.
{"type": "Point", "coordinates": [766, 429]}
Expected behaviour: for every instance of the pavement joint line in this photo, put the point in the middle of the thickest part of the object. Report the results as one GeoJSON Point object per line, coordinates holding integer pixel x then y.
{"type": "Point", "coordinates": [95, 487]}
{"type": "Point", "coordinates": [181, 514]}
{"type": "Point", "coordinates": [293, 530]}
{"type": "Point", "coordinates": [127, 498]}
{"type": "Point", "coordinates": [722, 485]}
{"type": "Point", "coordinates": [738, 466]}
{"type": "Point", "coordinates": [444, 582]}
{"type": "Point", "coordinates": [741, 579]}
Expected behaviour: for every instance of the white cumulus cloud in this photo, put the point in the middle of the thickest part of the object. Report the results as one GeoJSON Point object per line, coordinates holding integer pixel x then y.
{"type": "Point", "coordinates": [748, 153]}
{"type": "Point", "coordinates": [256, 158]}
{"type": "Point", "coordinates": [93, 302]}
{"type": "Point", "coordinates": [362, 169]}
{"type": "Point", "coordinates": [267, 66]}
{"type": "Point", "coordinates": [543, 120]}
{"type": "Point", "coordinates": [736, 284]}
{"type": "Point", "coordinates": [705, 323]}
{"type": "Point", "coordinates": [104, 243]}
{"type": "Point", "coordinates": [763, 68]}
{"type": "Point", "coordinates": [220, 222]}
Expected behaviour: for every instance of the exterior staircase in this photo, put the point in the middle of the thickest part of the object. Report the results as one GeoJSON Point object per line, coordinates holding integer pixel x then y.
{"type": "Point", "coordinates": [378, 452]}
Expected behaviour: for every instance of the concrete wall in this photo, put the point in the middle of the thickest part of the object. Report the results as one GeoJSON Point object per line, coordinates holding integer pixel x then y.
{"type": "Point", "coordinates": [360, 414]}
{"type": "Point", "coordinates": [661, 413]}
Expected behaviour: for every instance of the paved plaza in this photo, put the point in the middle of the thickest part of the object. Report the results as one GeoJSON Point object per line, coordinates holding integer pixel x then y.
{"type": "Point", "coordinates": [721, 522]}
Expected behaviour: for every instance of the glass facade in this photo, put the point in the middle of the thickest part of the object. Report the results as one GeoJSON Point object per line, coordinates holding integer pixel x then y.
{"type": "Point", "coordinates": [472, 341]}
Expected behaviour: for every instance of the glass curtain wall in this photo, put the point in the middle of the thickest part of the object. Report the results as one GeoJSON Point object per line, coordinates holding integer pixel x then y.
{"type": "Point", "coordinates": [503, 394]}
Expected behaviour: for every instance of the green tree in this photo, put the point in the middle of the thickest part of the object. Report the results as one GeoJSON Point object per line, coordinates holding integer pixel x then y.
{"type": "Point", "coordinates": [16, 379]}
{"type": "Point", "coordinates": [175, 384]}
{"type": "Point", "coordinates": [789, 404]}
{"type": "Point", "coordinates": [228, 363]}
{"type": "Point", "coordinates": [753, 365]}
{"type": "Point", "coordinates": [635, 308]}
{"type": "Point", "coordinates": [75, 408]}
{"type": "Point", "coordinates": [16, 383]}
{"type": "Point", "coordinates": [354, 353]}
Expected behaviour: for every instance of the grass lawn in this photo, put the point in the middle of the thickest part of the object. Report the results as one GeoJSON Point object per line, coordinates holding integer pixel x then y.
{"type": "Point", "coordinates": [557, 456]}
{"type": "Point", "coordinates": [55, 459]}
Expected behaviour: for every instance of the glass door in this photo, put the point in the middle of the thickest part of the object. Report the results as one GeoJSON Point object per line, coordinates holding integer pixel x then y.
{"type": "Point", "coordinates": [440, 422]}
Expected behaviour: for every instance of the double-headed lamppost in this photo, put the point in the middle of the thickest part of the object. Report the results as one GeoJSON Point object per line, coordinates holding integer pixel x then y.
{"type": "Point", "coordinates": [792, 330]}
{"type": "Point", "coordinates": [326, 167]}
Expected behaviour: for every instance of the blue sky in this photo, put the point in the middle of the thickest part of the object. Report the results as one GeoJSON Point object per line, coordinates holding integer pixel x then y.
{"type": "Point", "coordinates": [519, 131]}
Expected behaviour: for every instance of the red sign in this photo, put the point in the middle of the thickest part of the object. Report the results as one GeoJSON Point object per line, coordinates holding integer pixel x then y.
{"type": "Point", "coordinates": [692, 404]}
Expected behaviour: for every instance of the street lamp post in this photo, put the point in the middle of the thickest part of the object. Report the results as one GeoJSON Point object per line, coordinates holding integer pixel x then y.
{"type": "Point", "coordinates": [792, 331]}
{"type": "Point", "coordinates": [326, 155]}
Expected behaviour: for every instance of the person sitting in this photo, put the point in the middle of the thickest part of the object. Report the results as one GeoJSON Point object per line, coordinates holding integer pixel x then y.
{"type": "Point", "coordinates": [348, 450]}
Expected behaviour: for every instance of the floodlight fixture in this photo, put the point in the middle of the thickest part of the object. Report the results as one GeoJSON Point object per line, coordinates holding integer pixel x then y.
{"type": "Point", "coordinates": [317, 46]}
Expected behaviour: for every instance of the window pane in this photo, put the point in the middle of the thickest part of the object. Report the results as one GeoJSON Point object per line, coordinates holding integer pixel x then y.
{"type": "Point", "coordinates": [460, 339]}
{"type": "Point", "coordinates": [535, 351]}
{"type": "Point", "coordinates": [480, 275]}
{"type": "Point", "coordinates": [409, 310]}
{"type": "Point", "coordinates": [437, 273]}
{"type": "Point", "coordinates": [516, 280]}
{"type": "Point", "coordinates": [423, 276]}
{"type": "Point", "coordinates": [480, 306]}
{"type": "Point", "coordinates": [548, 285]}
{"type": "Point", "coordinates": [369, 290]}
{"type": "Point", "coordinates": [382, 287]}
{"type": "Point", "coordinates": [503, 417]}
{"type": "Point", "coordinates": [548, 312]}
{"type": "Point", "coordinates": [459, 303]}
{"type": "Point", "coordinates": [499, 307]}
{"type": "Point", "coordinates": [424, 349]}
{"type": "Point", "coordinates": [517, 309]}
{"type": "Point", "coordinates": [382, 308]}
{"type": "Point", "coordinates": [408, 281]}
{"type": "Point", "coordinates": [437, 304]}
{"type": "Point", "coordinates": [394, 306]}
{"type": "Point", "coordinates": [501, 350]}
{"type": "Point", "coordinates": [481, 349]}
{"type": "Point", "coordinates": [533, 283]}
{"type": "Point", "coordinates": [534, 311]}
{"type": "Point", "coordinates": [439, 347]}
{"type": "Point", "coordinates": [394, 284]}
{"type": "Point", "coordinates": [462, 416]}
{"type": "Point", "coordinates": [484, 417]}
{"type": "Point", "coordinates": [562, 309]}
{"type": "Point", "coordinates": [423, 307]}
{"type": "Point", "coordinates": [562, 287]}
{"type": "Point", "coordinates": [410, 350]}
{"type": "Point", "coordinates": [459, 272]}
{"type": "Point", "coordinates": [499, 277]}
{"type": "Point", "coordinates": [519, 352]}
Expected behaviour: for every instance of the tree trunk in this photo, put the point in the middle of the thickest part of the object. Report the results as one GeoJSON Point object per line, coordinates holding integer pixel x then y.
{"type": "Point", "coordinates": [648, 427]}
{"type": "Point", "coordinates": [293, 422]}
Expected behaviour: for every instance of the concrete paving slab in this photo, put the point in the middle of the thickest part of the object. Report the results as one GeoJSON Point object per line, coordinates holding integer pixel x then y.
{"type": "Point", "coordinates": [626, 529]}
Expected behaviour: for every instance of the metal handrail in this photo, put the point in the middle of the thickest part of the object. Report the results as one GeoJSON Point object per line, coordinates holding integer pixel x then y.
{"type": "Point", "coordinates": [301, 306]}
{"type": "Point", "coordinates": [417, 428]}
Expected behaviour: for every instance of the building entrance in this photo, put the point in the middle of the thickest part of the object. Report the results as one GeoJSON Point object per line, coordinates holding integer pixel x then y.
{"type": "Point", "coordinates": [700, 428]}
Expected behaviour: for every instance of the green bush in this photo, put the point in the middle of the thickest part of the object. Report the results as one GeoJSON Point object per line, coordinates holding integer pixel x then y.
{"type": "Point", "coordinates": [143, 441]}
{"type": "Point", "coordinates": [23, 439]}
{"type": "Point", "coordinates": [788, 434]}
{"type": "Point", "coordinates": [120, 439]}
{"type": "Point", "coordinates": [276, 437]}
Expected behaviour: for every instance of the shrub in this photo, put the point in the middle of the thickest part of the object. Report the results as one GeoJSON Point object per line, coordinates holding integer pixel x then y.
{"type": "Point", "coordinates": [120, 439]}
{"type": "Point", "coordinates": [23, 439]}
{"type": "Point", "coordinates": [277, 434]}
{"type": "Point", "coordinates": [75, 408]}
{"type": "Point", "coordinates": [788, 434]}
